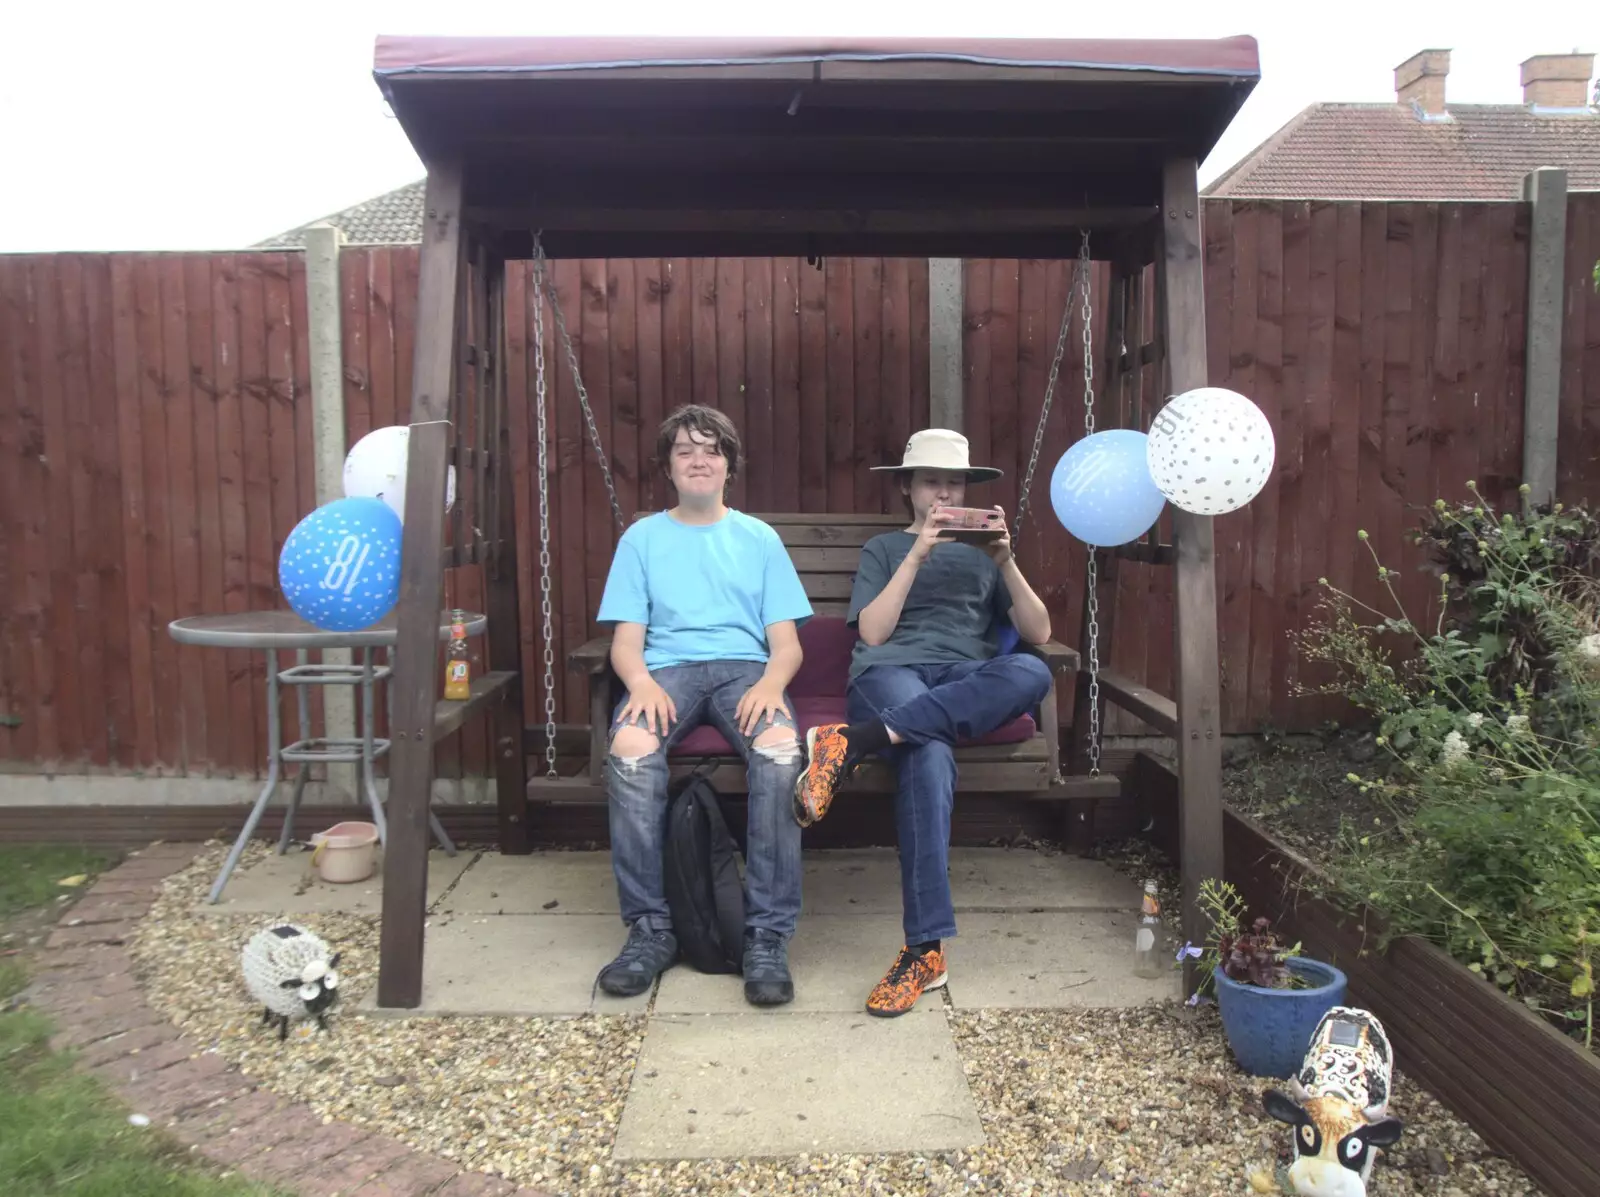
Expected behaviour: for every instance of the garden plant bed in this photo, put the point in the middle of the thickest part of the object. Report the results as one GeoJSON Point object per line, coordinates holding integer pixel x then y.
{"type": "Point", "coordinates": [1530, 1091]}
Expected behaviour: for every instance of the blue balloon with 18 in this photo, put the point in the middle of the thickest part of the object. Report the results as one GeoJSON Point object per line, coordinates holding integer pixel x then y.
{"type": "Point", "coordinates": [340, 567]}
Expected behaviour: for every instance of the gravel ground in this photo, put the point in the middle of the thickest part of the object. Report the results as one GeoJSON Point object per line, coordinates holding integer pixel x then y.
{"type": "Point", "coordinates": [1072, 1102]}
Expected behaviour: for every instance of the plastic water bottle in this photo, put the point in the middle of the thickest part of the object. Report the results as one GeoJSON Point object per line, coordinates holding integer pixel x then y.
{"type": "Point", "coordinates": [1146, 960]}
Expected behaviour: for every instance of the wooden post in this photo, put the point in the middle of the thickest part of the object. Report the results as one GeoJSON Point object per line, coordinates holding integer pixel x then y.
{"type": "Point", "coordinates": [504, 609]}
{"type": "Point", "coordinates": [1194, 650]}
{"type": "Point", "coordinates": [1546, 190]}
{"type": "Point", "coordinates": [415, 682]}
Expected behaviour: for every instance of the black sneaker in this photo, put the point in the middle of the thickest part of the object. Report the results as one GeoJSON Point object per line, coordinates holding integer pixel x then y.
{"type": "Point", "coordinates": [766, 969]}
{"type": "Point", "coordinates": [645, 956]}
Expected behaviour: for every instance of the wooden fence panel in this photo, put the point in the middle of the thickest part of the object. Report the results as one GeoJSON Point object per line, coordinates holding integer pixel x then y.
{"type": "Point", "coordinates": [155, 422]}
{"type": "Point", "coordinates": [1577, 472]}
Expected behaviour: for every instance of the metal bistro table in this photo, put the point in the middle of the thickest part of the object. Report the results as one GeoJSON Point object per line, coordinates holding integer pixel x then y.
{"type": "Point", "coordinates": [277, 631]}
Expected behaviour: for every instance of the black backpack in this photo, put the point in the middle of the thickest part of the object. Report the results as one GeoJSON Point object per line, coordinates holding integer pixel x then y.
{"type": "Point", "coordinates": [700, 869]}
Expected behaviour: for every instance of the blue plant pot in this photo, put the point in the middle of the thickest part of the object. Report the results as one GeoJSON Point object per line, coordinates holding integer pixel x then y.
{"type": "Point", "coordinates": [1269, 1029]}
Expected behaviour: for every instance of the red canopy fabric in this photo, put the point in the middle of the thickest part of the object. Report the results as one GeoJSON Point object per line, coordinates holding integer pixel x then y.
{"type": "Point", "coordinates": [420, 55]}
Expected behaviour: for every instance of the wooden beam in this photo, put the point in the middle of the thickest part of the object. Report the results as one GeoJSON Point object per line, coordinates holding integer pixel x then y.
{"type": "Point", "coordinates": [1159, 711]}
{"type": "Point", "coordinates": [1017, 779]}
{"type": "Point", "coordinates": [873, 221]}
{"type": "Point", "coordinates": [1182, 325]}
{"type": "Point", "coordinates": [517, 243]}
{"type": "Point", "coordinates": [503, 605]}
{"type": "Point", "coordinates": [460, 381]}
{"type": "Point", "coordinates": [414, 685]}
{"type": "Point", "coordinates": [451, 715]}
{"type": "Point", "coordinates": [709, 114]}
{"type": "Point", "coordinates": [513, 194]}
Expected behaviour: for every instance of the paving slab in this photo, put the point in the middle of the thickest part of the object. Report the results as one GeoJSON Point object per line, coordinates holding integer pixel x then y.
{"type": "Point", "coordinates": [1053, 961]}
{"type": "Point", "coordinates": [851, 881]}
{"type": "Point", "coordinates": [867, 881]}
{"type": "Point", "coordinates": [1019, 879]}
{"type": "Point", "coordinates": [835, 961]}
{"type": "Point", "coordinates": [741, 1085]}
{"type": "Point", "coordinates": [515, 965]}
{"type": "Point", "coordinates": [576, 882]}
{"type": "Point", "coordinates": [287, 885]}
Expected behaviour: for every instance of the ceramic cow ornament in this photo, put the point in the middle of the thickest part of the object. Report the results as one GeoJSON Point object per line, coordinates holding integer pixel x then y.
{"type": "Point", "coordinates": [1338, 1105]}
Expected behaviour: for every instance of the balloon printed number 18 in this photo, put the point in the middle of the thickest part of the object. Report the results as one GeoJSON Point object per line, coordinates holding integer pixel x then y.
{"type": "Point", "coordinates": [340, 567]}
{"type": "Point", "coordinates": [343, 565]}
{"type": "Point", "coordinates": [1168, 422]}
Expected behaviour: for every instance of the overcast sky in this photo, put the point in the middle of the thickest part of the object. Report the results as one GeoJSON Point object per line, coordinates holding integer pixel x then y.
{"type": "Point", "coordinates": [161, 125]}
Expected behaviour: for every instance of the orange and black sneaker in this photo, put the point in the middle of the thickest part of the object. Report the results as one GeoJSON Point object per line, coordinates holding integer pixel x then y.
{"type": "Point", "coordinates": [829, 764]}
{"type": "Point", "coordinates": [913, 975]}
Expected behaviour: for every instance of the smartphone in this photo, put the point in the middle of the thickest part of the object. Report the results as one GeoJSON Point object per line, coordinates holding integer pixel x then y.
{"type": "Point", "coordinates": [970, 518]}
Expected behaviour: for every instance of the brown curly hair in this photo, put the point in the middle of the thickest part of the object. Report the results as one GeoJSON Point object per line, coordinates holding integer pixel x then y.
{"type": "Point", "coordinates": [708, 422]}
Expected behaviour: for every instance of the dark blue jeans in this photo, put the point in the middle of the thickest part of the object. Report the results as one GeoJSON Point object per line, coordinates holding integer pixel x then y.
{"type": "Point", "coordinates": [708, 692]}
{"type": "Point", "coordinates": [933, 707]}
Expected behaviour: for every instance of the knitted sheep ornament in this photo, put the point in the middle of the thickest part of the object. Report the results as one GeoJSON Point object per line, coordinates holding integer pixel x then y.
{"type": "Point", "coordinates": [290, 971]}
{"type": "Point", "coordinates": [1340, 1103]}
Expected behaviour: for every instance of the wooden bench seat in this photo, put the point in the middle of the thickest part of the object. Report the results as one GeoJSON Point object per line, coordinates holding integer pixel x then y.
{"type": "Point", "coordinates": [1023, 757]}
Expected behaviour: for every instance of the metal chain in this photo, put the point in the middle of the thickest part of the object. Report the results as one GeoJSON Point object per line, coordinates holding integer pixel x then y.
{"type": "Point", "coordinates": [549, 287]}
{"type": "Point", "coordinates": [1092, 571]}
{"type": "Point", "coordinates": [544, 526]}
{"type": "Point", "coordinates": [1094, 663]}
{"type": "Point", "coordinates": [1080, 285]}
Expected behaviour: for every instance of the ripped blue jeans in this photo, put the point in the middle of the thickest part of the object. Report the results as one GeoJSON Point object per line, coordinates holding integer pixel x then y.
{"type": "Point", "coordinates": [708, 692]}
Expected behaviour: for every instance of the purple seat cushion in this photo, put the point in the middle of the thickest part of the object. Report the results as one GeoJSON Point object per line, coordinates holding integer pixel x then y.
{"type": "Point", "coordinates": [818, 692]}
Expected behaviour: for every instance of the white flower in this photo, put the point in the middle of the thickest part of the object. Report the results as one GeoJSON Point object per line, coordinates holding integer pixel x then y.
{"type": "Point", "coordinates": [1475, 720]}
{"type": "Point", "coordinates": [1455, 750]}
{"type": "Point", "coordinates": [1589, 646]}
{"type": "Point", "coordinates": [1517, 725]}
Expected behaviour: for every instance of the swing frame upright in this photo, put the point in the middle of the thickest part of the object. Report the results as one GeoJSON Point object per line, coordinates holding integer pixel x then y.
{"type": "Point", "coordinates": [656, 147]}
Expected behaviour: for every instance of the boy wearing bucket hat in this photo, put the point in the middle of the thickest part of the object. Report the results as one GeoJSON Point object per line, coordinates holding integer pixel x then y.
{"type": "Point", "coordinates": [928, 673]}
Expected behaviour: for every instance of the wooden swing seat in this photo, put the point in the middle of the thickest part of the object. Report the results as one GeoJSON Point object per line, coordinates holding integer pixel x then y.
{"type": "Point", "coordinates": [1023, 757]}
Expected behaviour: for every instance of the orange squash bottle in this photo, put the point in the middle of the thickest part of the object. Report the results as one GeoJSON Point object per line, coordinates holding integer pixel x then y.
{"type": "Point", "coordinates": [457, 665]}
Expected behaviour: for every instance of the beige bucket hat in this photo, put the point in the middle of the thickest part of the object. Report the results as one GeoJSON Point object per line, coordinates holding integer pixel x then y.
{"type": "Point", "coordinates": [941, 449]}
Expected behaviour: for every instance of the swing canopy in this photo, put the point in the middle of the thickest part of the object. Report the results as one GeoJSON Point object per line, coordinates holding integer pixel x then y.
{"type": "Point", "coordinates": [783, 147]}
{"type": "Point", "coordinates": [648, 147]}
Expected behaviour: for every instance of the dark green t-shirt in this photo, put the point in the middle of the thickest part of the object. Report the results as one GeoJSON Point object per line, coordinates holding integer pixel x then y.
{"type": "Point", "coordinates": [954, 611]}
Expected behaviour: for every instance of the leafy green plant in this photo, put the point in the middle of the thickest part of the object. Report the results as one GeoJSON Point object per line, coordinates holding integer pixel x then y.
{"type": "Point", "coordinates": [1491, 725]}
{"type": "Point", "coordinates": [1247, 952]}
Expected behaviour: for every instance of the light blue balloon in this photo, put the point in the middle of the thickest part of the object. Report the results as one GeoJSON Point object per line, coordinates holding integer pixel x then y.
{"type": "Point", "coordinates": [340, 567]}
{"type": "Point", "coordinates": [1102, 489]}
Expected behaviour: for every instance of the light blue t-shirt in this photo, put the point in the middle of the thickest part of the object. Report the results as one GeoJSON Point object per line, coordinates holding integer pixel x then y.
{"type": "Point", "coordinates": [703, 592]}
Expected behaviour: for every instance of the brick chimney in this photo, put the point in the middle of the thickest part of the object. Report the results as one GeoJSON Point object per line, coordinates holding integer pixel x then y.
{"type": "Point", "coordinates": [1419, 81]}
{"type": "Point", "coordinates": [1557, 80]}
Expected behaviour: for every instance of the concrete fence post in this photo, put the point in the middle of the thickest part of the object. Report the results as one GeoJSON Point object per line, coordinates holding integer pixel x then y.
{"type": "Point", "coordinates": [325, 339]}
{"type": "Point", "coordinates": [946, 317]}
{"type": "Point", "coordinates": [1546, 190]}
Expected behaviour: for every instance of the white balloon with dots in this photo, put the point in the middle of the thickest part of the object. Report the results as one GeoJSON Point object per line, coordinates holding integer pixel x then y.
{"type": "Point", "coordinates": [1210, 451]}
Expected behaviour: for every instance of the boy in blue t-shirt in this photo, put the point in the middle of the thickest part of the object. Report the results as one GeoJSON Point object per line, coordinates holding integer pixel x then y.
{"type": "Point", "coordinates": [706, 605]}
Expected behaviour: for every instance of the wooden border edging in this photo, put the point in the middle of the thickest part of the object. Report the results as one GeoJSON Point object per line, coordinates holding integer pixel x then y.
{"type": "Point", "coordinates": [1529, 1091]}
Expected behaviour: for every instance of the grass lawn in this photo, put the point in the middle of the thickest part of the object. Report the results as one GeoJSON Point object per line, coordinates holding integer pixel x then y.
{"type": "Point", "coordinates": [30, 874]}
{"type": "Point", "coordinates": [61, 1131]}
